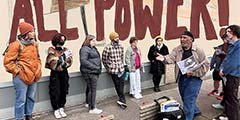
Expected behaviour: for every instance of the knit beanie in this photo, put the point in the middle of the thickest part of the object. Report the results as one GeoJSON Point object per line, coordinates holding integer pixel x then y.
{"type": "Point", "coordinates": [113, 35]}
{"type": "Point", "coordinates": [188, 33]}
{"type": "Point", "coordinates": [157, 38]}
{"type": "Point", "coordinates": [24, 28]}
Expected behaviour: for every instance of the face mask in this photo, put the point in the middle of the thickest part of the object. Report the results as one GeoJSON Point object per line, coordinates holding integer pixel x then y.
{"type": "Point", "coordinates": [58, 48]}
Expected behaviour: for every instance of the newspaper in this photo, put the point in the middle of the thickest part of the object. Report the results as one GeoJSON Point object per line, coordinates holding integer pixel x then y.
{"type": "Point", "coordinates": [187, 64]}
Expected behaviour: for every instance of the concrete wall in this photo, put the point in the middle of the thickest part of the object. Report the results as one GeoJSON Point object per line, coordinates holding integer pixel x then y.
{"type": "Point", "coordinates": [77, 87]}
{"type": "Point", "coordinates": [76, 94]}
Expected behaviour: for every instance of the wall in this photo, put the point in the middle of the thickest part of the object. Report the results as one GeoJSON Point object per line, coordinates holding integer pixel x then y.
{"type": "Point", "coordinates": [144, 19]}
{"type": "Point", "coordinates": [76, 96]}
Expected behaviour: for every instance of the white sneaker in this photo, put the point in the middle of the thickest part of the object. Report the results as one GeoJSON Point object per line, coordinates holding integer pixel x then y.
{"type": "Point", "coordinates": [223, 118]}
{"type": "Point", "coordinates": [61, 111]}
{"type": "Point", "coordinates": [138, 96]}
{"type": "Point", "coordinates": [57, 114]}
{"type": "Point", "coordinates": [86, 105]}
{"type": "Point", "coordinates": [95, 111]}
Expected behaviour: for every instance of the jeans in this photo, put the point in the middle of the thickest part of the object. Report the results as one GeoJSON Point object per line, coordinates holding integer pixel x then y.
{"type": "Point", "coordinates": [231, 97]}
{"type": "Point", "coordinates": [119, 86]}
{"type": "Point", "coordinates": [91, 80]}
{"type": "Point", "coordinates": [189, 88]}
{"type": "Point", "coordinates": [24, 101]}
{"type": "Point", "coordinates": [135, 82]}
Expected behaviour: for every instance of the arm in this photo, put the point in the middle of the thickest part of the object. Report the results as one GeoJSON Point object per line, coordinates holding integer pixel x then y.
{"type": "Point", "coordinates": [150, 54]}
{"type": "Point", "coordinates": [105, 56]}
{"type": "Point", "coordinates": [171, 58]}
{"type": "Point", "coordinates": [69, 59]}
{"type": "Point", "coordinates": [10, 59]}
{"type": "Point", "coordinates": [213, 61]}
{"type": "Point", "coordinates": [203, 64]}
{"type": "Point", "coordinates": [127, 58]}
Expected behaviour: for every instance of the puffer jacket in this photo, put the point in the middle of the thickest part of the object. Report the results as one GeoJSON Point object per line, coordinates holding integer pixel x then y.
{"type": "Point", "coordinates": [90, 60]}
{"type": "Point", "coordinates": [26, 64]}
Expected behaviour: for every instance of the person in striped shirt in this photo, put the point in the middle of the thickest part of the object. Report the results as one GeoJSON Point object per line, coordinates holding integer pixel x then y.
{"type": "Point", "coordinates": [59, 59]}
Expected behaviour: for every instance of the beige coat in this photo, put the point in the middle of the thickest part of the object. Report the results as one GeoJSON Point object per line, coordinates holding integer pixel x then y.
{"type": "Point", "coordinates": [198, 54]}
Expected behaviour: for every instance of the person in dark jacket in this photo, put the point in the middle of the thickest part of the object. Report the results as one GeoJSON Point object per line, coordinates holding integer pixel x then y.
{"type": "Point", "coordinates": [90, 68]}
{"type": "Point", "coordinates": [59, 59]}
{"type": "Point", "coordinates": [218, 57]}
{"type": "Point", "coordinates": [157, 67]}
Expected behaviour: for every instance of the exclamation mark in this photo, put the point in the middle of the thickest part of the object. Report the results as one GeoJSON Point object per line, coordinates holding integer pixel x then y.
{"type": "Point", "coordinates": [223, 10]}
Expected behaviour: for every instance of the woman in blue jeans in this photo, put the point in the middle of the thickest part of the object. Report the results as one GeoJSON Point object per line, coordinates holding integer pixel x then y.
{"type": "Point", "coordinates": [23, 62]}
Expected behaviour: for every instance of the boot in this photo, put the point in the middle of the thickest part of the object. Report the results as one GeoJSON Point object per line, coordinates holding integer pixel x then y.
{"type": "Point", "coordinates": [28, 117]}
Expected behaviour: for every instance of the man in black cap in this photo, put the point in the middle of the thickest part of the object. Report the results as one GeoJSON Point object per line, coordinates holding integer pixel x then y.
{"type": "Point", "coordinates": [189, 81]}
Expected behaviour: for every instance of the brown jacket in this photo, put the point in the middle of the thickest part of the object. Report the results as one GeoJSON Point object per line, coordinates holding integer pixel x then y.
{"type": "Point", "coordinates": [198, 54]}
{"type": "Point", "coordinates": [25, 63]}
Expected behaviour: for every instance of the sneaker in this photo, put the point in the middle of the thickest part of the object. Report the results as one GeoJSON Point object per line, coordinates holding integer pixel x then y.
{"type": "Point", "coordinates": [122, 105]}
{"type": "Point", "coordinates": [223, 118]}
{"type": "Point", "coordinates": [57, 114]}
{"type": "Point", "coordinates": [197, 114]}
{"type": "Point", "coordinates": [213, 92]}
{"type": "Point", "coordinates": [220, 97]}
{"type": "Point", "coordinates": [86, 105]}
{"type": "Point", "coordinates": [95, 111]}
{"type": "Point", "coordinates": [63, 114]}
{"type": "Point", "coordinates": [138, 96]}
{"type": "Point", "coordinates": [217, 106]}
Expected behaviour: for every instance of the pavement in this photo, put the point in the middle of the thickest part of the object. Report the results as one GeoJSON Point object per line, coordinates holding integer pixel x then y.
{"type": "Point", "coordinates": [111, 109]}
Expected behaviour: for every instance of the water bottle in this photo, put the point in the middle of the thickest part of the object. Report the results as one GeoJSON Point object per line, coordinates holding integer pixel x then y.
{"type": "Point", "coordinates": [126, 76]}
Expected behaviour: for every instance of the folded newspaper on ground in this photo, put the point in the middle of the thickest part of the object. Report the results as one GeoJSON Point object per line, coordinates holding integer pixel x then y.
{"type": "Point", "coordinates": [188, 64]}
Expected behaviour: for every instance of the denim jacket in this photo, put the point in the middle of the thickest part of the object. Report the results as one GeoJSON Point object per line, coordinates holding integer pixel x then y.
{"type": "Point", "coordinates": [130, 58]}
{"type": "Point", "coordinates": [231, 63]}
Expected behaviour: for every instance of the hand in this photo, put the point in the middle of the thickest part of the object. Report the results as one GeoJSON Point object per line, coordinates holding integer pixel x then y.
{"type": "Point", "coordinates": [221, 73]}
{"type": "Point", "coordinates": [160, 57]}
{"type": "Point", "coordinates": [68, 53]}
{"type": "Point", "coordinates": [189, 73]}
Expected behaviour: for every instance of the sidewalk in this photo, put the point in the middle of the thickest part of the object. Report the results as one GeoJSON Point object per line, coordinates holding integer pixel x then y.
{"type": "Point", "coordinates": [110, 107]}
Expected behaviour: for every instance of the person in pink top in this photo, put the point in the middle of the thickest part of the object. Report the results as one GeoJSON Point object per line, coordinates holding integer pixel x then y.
{"type": "Point", "coordinates": [133, 61]}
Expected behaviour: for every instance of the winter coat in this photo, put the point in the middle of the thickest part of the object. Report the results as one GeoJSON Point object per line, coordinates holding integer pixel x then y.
{"type": "Point", "coordinates": [56, 60]}
{"type": "Point", "coordinates": [90, 61]}
{"type": "Point", "coordinates": [26, 64]}
{"type": "Point", "coordinates": [198, 54]}
{"type": "Point", "coordinates": [157, 67]}
{"type": "Point", "coordinates": [112, 58]}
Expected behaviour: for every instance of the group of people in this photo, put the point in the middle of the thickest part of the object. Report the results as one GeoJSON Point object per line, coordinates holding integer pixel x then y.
{"type": "Point", "coordinates": [226, 65]}
{"type": "Point", "coordinates": [22, 60]}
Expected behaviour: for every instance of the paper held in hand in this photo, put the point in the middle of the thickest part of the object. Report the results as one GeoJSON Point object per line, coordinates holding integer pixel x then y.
{"type": "Point", "coordinates": [188, 64]}
{"type": "Point", "coordinates": [68, 53]}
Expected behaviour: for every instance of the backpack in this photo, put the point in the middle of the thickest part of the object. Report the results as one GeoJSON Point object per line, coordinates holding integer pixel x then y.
{"type": "Point", "coordinates": [19, 50]}
{"type": "Point", "coordinates": [169, 109]}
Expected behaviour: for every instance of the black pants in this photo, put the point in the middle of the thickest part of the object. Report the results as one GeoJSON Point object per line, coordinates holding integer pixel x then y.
{"type": "Point", "coordinates": [231, 97]}
{"type": "Point", "coordinates": [58, 88]}
{"type": "Point", "coordinates": [91, 88]}
{"type": "Point", "coordinates": [156, 79]}
{"type": "Point", "coordinates": [119, 86]}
